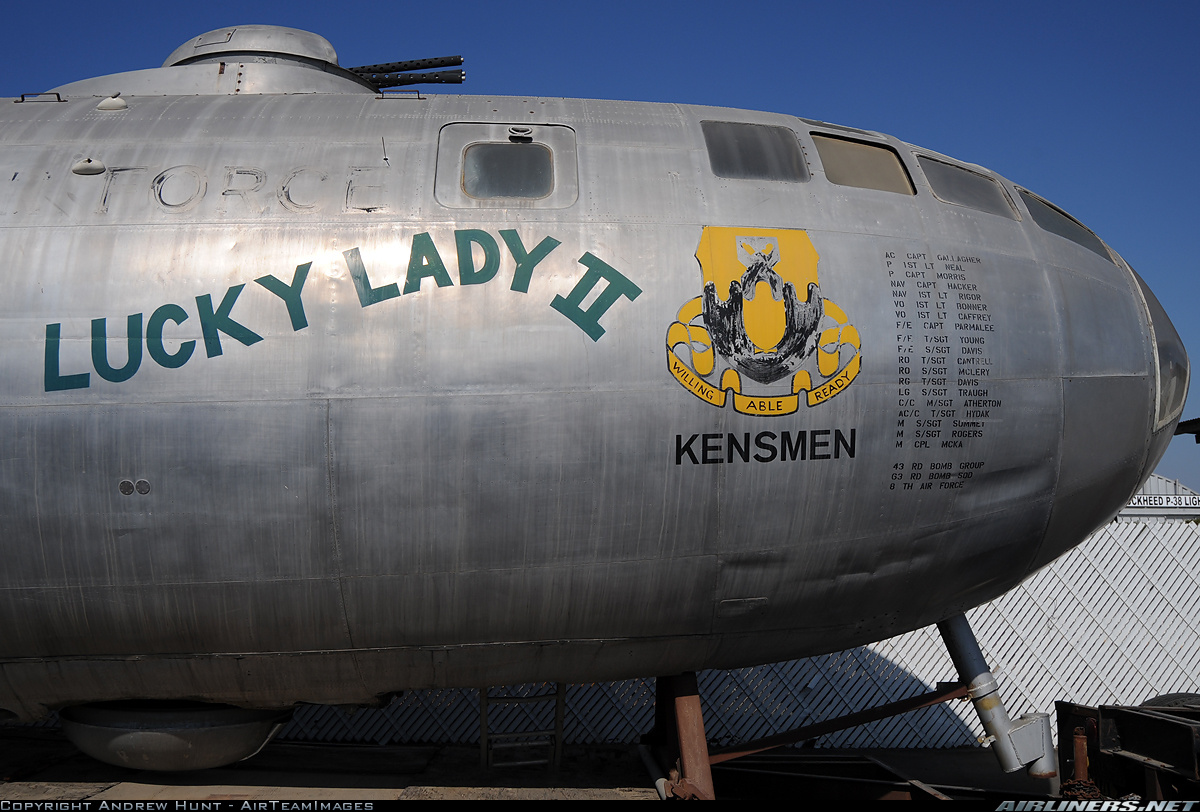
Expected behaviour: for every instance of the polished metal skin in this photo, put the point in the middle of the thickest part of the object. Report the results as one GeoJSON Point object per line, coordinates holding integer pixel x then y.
{"type": "Point", "coordinates": [294, 410]}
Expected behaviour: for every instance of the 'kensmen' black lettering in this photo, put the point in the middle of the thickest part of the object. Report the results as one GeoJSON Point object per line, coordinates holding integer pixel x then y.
{"type": "Point", "coordinates": [767, 446]}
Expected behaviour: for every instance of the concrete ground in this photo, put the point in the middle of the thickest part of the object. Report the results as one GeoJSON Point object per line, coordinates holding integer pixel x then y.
{"type": "Point", "coordinates": [39, 764]}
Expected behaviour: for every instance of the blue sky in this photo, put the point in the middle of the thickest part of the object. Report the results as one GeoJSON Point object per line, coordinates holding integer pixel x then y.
{"type": "Point", "coordinates": [1093, 105]}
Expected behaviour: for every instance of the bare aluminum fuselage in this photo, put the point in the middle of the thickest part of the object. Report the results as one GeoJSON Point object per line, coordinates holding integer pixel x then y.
{"type": "Point", "coordinates": [458, 485]}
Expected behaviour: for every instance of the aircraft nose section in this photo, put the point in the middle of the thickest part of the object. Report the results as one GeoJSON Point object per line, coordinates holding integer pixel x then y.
{"type": "Point", "coordinates": [1117, 418]}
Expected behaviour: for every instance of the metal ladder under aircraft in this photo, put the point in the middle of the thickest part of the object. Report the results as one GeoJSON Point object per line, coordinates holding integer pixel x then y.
{"type": "Point", "coordinates": [522, 740]}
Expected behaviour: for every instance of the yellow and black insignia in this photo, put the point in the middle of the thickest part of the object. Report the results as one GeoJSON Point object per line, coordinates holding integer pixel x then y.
{"type": "Point", "coordinates": [761, 316]}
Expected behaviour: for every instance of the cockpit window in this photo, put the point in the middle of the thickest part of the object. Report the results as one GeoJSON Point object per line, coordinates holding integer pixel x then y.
{"type": "Point", "coordinates": [858, 163]}
{"type": "Point", "coordinates": [962, 187]}
{"type": "Point", "coordinates": [753, 151]}
{"type": "Point", "coordinates": [1173, 368]}
{"type": "Point", "coordinates": [1056, 221]}
{"type": "Point", "coordinates": [508, 170]}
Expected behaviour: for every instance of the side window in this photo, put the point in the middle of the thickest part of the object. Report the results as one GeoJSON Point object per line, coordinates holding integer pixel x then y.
{"type": "Point", "coordinates": [962, 187]}
{"type": "Point", "coordinates": [506, 166]}
{"type": "Point", "coordinates": [753, 151]}
{"type": "Point", "coordinates": [1053, 219]}
{"type": "Point", "coordinates": [865, 165]}
{"type": "Point", "coordinates": [508, 170]}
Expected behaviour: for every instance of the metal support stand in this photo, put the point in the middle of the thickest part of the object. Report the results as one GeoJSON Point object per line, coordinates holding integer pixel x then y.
{"type": "Point", "coordinates": [677, 705]}
{"type": "Point", "coordinates": [1024, 743]}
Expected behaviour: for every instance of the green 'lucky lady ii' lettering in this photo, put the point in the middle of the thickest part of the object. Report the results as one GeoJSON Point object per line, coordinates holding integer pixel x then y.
{"type": "Point", "coordinates": [118, 359]}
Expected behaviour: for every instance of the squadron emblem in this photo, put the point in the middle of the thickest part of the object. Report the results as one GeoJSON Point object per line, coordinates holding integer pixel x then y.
{"type": "Point", "coordinates": [761, 316]}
